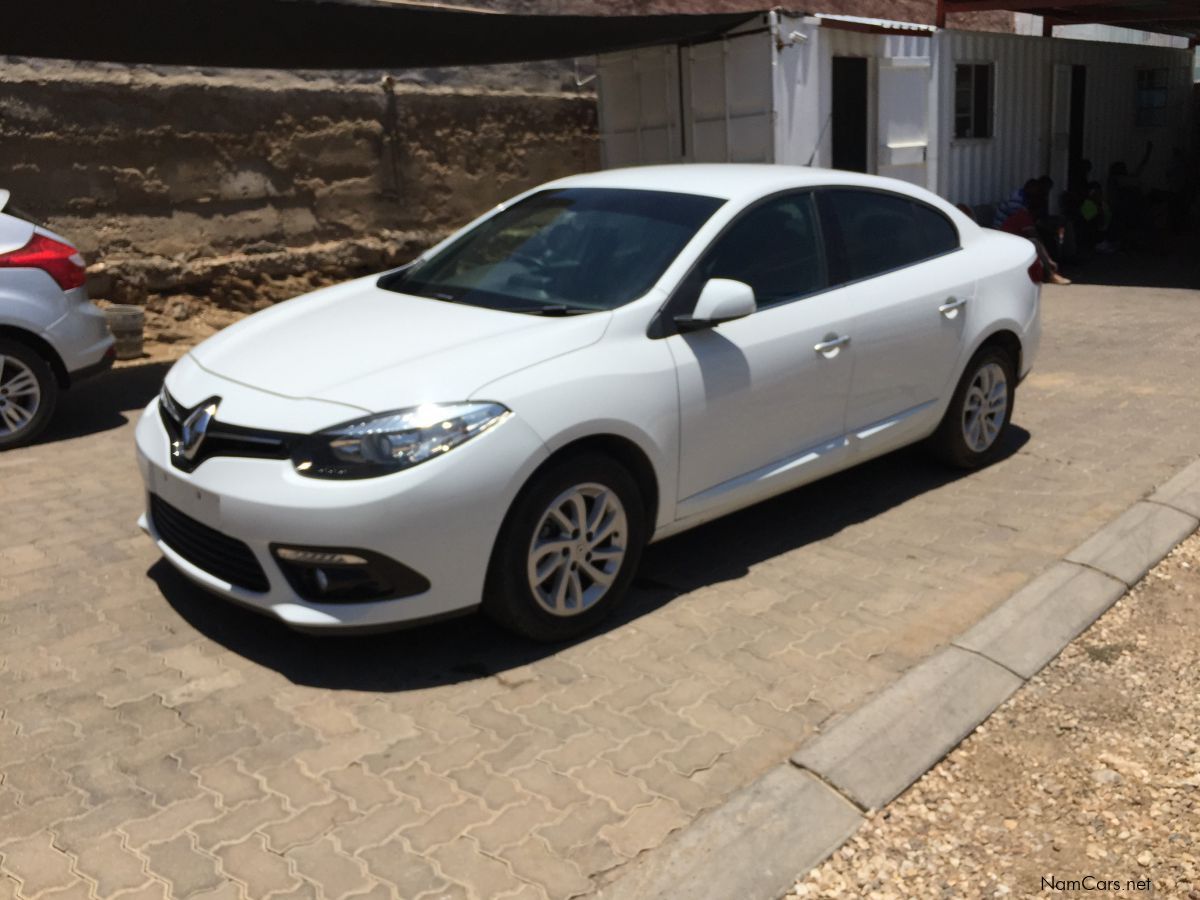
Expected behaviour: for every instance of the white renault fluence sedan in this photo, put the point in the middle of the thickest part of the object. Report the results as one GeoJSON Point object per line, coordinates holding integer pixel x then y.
{"type": "Point", "coordinates": [602, 362]}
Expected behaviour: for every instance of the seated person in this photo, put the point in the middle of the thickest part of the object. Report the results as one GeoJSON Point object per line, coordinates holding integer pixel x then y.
{"type": "Point", "coordinates": [1016, 216]}
{"type": "Point", "coordinates": [1097, 218]}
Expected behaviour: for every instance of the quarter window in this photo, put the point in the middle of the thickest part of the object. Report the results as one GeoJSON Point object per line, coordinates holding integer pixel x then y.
{"type": "Point", "coordinates": [775, 248]}
{"type": "Point", "coordinates": [973, 100]}
{"type": "Point", "coordinates": [874, 232]}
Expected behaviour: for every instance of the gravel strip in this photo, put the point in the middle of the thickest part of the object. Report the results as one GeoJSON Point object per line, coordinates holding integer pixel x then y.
{"type": "Point", "coordinates": [1088, 777]}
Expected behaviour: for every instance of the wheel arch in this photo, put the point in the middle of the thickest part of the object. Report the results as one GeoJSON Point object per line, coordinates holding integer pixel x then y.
{"type": "Point", "coordinates": [1007, 340]}
{"type": "Point", "coordinates": [42, 348]}
{"type": "Point", "coordinates": [624, 451]}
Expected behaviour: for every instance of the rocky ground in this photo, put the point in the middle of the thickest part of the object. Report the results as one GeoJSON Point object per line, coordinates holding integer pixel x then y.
{"type": "Point", "coordinates": [1092, 769]}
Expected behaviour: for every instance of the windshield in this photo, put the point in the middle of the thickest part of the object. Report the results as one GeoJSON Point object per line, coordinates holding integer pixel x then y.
{"type": "Point", "coordinates": [562, 251]}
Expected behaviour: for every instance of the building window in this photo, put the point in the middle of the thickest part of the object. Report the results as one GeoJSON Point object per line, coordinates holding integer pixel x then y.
{"type": "Point", "coordinates": [973, 100]}
{"type": "Point", "coordinates": [1152, 91]}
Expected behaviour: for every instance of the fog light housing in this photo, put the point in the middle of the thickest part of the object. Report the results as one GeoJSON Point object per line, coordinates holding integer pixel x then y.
{"type": "Point", "coordinates": [346, 575]}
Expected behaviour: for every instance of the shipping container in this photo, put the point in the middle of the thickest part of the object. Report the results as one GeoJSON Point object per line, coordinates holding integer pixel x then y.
{"type": "Point", "coordinates": [970, 115]}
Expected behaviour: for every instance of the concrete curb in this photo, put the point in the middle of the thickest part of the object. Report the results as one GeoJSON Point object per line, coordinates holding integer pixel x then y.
{"type": "Point", "coordinates": [794, 817]}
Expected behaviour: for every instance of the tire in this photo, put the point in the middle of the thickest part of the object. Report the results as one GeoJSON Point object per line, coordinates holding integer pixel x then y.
{"type": "Point", "coordinates": [567, 601]}
{"type": "Point", "coordinates": [28, 394]}
{"type": "Point", "coordinates": [968, 440]}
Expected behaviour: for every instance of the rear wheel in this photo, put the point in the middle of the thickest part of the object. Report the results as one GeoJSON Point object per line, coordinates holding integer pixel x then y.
{"type": "Point", "coordinates": [969, 435]}
{"type": "Point", "coordinates": [28, 393]}
{"type": "Point", "coordinates": [568, 550]}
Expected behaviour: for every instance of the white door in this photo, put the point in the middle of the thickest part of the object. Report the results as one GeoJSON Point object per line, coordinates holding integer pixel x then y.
{"type": "Point", "coordinates": [1060, 125]}
{"type": "Point", "coordinates": [911, 296]}
{"type": "Point", "coordinates": [904, 85]}
{"type": "Point", "coordinates": [763, 399]}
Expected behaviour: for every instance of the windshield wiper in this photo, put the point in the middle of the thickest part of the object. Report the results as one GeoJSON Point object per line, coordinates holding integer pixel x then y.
{"type": "Point", "coordinates": [554, 309]}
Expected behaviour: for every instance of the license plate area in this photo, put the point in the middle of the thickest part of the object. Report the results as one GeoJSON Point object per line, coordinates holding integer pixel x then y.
{"type": "Point", "coordinates": [201, 505]}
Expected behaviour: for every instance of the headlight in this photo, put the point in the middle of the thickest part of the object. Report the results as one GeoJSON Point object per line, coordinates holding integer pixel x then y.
{"type": "Point", "coordinates": [388, 442]}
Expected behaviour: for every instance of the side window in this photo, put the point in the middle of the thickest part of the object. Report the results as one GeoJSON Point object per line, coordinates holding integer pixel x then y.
{"type": "Point", "coordinates": [775, 248]}
{"type": "Point", "coordinates": [874, 232]}
{"type": "Point", "coordinates": [938, 232]}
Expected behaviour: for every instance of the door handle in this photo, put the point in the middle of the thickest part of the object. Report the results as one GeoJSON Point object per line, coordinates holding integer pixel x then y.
{"type": "Point", "coordinates": [831, 345]}
{"type": "Point", "coordinates": [950, 308]}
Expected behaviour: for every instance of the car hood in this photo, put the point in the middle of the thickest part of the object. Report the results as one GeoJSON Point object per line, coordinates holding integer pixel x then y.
{"type": "Point", "coordinates": [364, 346]}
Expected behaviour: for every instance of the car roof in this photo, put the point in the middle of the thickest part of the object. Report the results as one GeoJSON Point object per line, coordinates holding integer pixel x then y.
{"type": "Point", "coordinates": [731, 181]}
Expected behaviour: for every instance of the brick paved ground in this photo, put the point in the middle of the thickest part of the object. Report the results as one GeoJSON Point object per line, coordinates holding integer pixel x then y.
{"type": "Point", "coordinates": [157, 742]}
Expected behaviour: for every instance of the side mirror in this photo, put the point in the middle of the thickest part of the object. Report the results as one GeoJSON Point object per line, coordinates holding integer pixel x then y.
{"type": "Point", "coordinates": [721, 300]}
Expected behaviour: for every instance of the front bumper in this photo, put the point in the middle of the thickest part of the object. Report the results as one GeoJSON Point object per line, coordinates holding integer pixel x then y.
{"type": "Point", "coordinates": [440, 518]}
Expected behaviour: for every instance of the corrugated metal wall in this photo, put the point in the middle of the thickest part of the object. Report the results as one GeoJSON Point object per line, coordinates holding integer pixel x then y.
{"type": "Point", "coordinates": [985, 170]}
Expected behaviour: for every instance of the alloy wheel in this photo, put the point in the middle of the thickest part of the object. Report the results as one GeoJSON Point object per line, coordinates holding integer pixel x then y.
{"type": "Point", "coordinates": [577, 549]}
{"type": "Point", "coordinates": [20, 396]}
{"type": "Point", "coordinates": [985, 407]}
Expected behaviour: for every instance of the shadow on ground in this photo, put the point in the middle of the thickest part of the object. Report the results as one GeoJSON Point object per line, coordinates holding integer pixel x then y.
{"type": "Point", "coordinates": [102, 403]}
{"type": "Point", "coordinates": [1168, 261]}
{"type": "Point", "coordinates": [472, 647]}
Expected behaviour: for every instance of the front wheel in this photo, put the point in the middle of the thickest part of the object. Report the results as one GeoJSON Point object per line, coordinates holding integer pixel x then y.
{"type": "Point", "coordinates": [980, 410]}
{"type": "Point", "coordinates": [568, 550]}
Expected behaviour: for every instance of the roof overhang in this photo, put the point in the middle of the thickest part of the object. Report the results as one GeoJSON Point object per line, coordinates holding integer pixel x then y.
{"type": "Point", "coordinates": [1177, 17]}
{"type": "Point", "coordinates": [329, 34]}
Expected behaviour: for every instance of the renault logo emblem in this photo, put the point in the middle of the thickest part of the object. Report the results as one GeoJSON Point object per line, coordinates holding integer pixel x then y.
{"type": "Point", "coordinates": [194, 428]}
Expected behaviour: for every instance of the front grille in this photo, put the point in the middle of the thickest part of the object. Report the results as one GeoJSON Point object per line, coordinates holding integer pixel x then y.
{"type": "Point", "coordinates": [222, 439]}
{"type": "Point", "coordinates": [218, 554]}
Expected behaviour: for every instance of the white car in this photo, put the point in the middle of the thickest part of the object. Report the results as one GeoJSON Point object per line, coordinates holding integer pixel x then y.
{"type": "Point", "coordinates": [602, 362]}
{"type": "Point", "coordinates": [51, 336]}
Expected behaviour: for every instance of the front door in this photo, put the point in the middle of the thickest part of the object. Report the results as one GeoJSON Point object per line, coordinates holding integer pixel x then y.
{"type": "Point", "coordinates": [761, 407]}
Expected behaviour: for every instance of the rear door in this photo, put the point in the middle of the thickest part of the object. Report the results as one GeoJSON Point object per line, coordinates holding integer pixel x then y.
{"type": "Point", "coordinates": [906, 281]}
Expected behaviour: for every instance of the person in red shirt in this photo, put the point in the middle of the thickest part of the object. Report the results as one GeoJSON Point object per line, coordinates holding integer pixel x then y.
{"type": "Point", "coordinates": [1020, 220]}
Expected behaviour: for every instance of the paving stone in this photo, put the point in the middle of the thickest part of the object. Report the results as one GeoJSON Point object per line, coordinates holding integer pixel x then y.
{"type": "Point", "coordinates": [183, 866]}
{"type": "Point", "coordinates": [170, 821]}
{"type": "Point", "coordinates": [338, 873]}
{"type": "Point", "coordinates": [36, 864]}
{"type": "Point", "coordinates": [231, 785]}
{"type": "Point", "coordinates": [256, 866]}
{"type": "Point", "coordinates": [409, 874]}
{"type": "Point", "coordinates": [377, 826]}
{"type": "Point", "coordinates": [512, 825]}
{"type": "Point", "coordinates": [233, 825]}
{"type": "Point", "coordinates": [111, 865]}
{"type": "Point", "coordinates": [462, 861]}
{"type": "Point", "coordinates": [533, 861]}
{"type": "Point", "coordinates": [645, 827]}
{"type": "Point", "coordinates": [307, 825]}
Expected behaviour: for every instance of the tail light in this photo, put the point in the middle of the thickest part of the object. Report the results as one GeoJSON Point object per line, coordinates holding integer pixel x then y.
{"type": "Point", "coordinates": [1036, 272]}
{"type": "Point", "coordinates": [60, 261]}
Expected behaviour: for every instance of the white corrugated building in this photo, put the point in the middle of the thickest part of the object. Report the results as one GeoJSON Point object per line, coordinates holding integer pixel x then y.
{"type": "Point", "coordinates": [970, 115]}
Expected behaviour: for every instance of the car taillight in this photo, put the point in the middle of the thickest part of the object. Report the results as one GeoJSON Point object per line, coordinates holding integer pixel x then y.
{"type": "Point", "coordinates": [1036, 272]}
{"type": "Point", "coordinates": [60, 261]}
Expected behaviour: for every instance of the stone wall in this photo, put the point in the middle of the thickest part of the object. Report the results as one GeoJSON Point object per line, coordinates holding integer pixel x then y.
{"type": "Point", "coordinates": [240, 186]}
